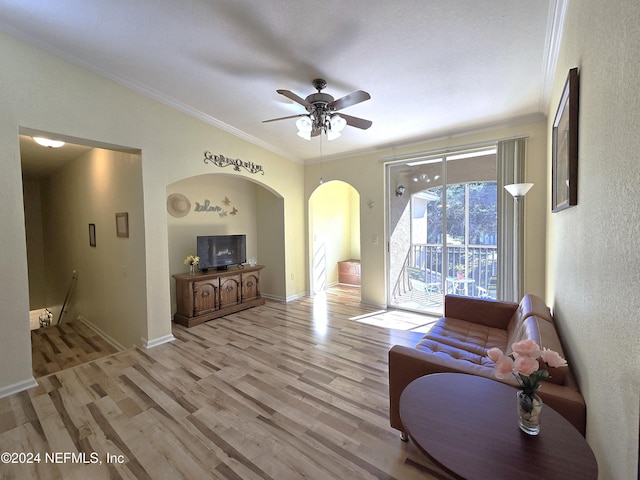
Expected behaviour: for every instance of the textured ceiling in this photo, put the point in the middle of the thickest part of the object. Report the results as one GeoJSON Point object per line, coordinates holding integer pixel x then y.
{"type": "Point", "coordinates": [432, 67]}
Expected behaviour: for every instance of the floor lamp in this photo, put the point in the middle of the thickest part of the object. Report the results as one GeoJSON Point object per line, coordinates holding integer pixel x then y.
{"type": "Point", "coordinates": [518, 191]}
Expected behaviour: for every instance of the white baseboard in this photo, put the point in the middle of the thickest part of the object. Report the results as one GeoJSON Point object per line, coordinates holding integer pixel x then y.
{"type": "Point", "coordinates": [114, 343]}
{"type": "Point", "coordinates": [382, 306]}
{"type": "Point", "coordinates": [145, 343]}
{"type": "Point", "coordinates": [157, 341]}
{"type": "Point", "coordinates": [296, 296]}
{"type": "Point", "coordinates": [18, 387]}
{"type": "Point", "coordinates": [277, 298]}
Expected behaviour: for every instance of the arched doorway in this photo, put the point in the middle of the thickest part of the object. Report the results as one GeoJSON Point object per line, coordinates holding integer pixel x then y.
{"type": "Point", "coordinates": [334, 232]}
{"type": "Point", "coordinates": [221, 204]}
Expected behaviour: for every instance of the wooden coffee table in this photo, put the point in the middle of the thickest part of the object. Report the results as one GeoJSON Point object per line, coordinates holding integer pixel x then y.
{"type": "Point", "coordinates": [468, 425]}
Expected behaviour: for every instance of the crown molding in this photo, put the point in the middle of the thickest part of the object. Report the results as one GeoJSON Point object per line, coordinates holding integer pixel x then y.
{"type": "Point", "coordinates": [555, 28]}
{"type": "Point", "coordinates": [145, 91]}
{"type": "Point", "coordinates": [507, 123]}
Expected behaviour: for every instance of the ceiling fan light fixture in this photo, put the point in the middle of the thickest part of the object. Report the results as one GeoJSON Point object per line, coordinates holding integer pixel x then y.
{"type": "Point", "coordinates": [335, 126]}
{"type": "Point", "coordinates": [331, 135]}
{"type": "Point", "coordinates": [47, 142]}
{"type": "Point", "coordinates": [321, 117]}
{"type": "Point", "coordinates": [337, 123]}
{"type": "Point", "coordinates": [305, 126]}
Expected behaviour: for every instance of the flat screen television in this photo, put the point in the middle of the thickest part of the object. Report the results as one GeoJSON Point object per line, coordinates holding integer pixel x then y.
{"type": "Point", "coordinates": [220, 251]}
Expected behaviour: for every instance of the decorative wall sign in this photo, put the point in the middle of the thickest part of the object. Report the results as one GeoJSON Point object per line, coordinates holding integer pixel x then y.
{"type": "Point", "coordinates": [237, 164]}
{"type": "Point", "coordinates": [206, 206]}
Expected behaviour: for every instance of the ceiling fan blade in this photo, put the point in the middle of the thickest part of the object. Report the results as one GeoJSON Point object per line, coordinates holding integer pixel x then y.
{"type": "Point", "coordinates": [294, 97]}
{"type": "Point", "coordinates": [357, 122]}
{"type": "Point", "coordinates": [351, 99]}
{"type": "Point", "coordinates": [284, 118]}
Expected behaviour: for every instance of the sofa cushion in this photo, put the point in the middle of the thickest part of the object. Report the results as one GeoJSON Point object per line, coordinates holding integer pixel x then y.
{"type": "Point", "coordinates": [448, 352]}
{"type": "Point", "coordinates": [472, 337]}
{"type": "Point", "coordinates": [491, 313]}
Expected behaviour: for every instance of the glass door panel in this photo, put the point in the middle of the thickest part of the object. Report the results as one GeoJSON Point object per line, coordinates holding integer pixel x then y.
{"type": "Point", "coordinates": [442, 230]}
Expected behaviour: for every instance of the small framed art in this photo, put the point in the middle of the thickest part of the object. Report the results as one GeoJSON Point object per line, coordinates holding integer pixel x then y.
{"type": "Point", "coordinates": [92, 234]}
{"type": "Point", "coordinates": [564, 173]}
{"type": "Point", "coordinates": [122, 225]}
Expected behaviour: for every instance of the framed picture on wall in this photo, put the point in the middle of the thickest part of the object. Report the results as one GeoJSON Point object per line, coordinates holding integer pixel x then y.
{"type": "Point", "coordinates": [564, 190]}
{"type": "Point", "coordinates": [92, 234]}
{"type": "Point", "coordinates": [122, 225]}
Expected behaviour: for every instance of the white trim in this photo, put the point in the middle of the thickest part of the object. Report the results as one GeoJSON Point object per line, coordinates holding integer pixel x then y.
{"type": "Point", "coordinates": [18, 387]}
{"type": "Point", "coordinates": [114, 343]}
{"type": "Point", "coordinates": [143, 90]}
{"type": "Point", "coordinates": [555, 27]}
{"type": "Point", "coordinates": [290, 298]}
{"type": "Point", "coordinates": [382, 306]}
{"type": "Point", "coordinates": [157, 341]}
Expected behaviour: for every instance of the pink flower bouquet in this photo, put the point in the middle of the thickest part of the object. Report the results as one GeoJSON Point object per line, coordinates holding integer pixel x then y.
{"type": "Point", "coordinates": [524, 363]}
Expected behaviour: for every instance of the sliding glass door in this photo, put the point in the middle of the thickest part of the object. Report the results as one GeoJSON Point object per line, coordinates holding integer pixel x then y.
{"type": "Point", "coordinates": [442, 213]}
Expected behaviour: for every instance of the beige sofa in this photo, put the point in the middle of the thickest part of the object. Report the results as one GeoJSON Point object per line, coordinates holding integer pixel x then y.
{"type": "Point", "coordinates": [461, 338]}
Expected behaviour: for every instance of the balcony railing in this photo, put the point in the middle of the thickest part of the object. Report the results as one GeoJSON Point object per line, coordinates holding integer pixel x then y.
{"type": "Point", "coordinates": [471, 269]}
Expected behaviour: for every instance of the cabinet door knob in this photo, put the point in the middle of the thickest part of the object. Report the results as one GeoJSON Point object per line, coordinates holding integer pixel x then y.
{"type": "Point", "coordinates": [205, 294]}
{"type": "Point", "coordinates": [249, 283]}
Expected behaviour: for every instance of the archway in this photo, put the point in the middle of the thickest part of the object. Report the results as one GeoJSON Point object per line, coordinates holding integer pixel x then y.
{"type": "Point", "coordinates": [334, 232]}
{"type": "Point", "coordinates": [220, 204]}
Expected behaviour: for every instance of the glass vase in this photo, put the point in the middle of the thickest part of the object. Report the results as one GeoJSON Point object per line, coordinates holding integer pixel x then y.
{"type": "Point", "coordinates": [529, 409]}
{"type": "Point", "coordinates": [192, 270]}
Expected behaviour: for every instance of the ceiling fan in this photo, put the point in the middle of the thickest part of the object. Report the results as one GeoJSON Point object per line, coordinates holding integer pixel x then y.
{"type": "Point", "coordinates": [321, 113]}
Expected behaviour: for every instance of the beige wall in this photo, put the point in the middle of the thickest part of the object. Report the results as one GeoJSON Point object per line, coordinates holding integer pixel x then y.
{"type": "Point", "coordinates": [92, 189]}
{"type": "Point", "coordinates": [42, 92]}
{"type": "Point", "coordinates": [594, 256]}
{"type": "Point", "coordinates": [32, 188]}
{"type": "Point", "coordinates": [272, 248]}
{"type": "Point", "coordinates": [366, 174]}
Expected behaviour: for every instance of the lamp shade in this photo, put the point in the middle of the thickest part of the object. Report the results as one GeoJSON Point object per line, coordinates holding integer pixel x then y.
{"type": "Point", "coordinates": [518, 190]}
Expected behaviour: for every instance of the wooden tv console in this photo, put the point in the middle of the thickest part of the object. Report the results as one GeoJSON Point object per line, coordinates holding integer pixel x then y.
{"type": "Point", "coordinates": [205, 296]}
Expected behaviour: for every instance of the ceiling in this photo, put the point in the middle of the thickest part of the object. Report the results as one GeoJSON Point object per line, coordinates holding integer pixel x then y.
{"type": "Point", "coordinates": [433, 68]}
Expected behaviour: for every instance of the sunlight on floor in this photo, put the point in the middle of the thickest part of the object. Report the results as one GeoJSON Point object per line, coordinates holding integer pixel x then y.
{"type": "Point", "coordinates": [398, 320]}
{"type": "Point", "coordinates": [320, 313]}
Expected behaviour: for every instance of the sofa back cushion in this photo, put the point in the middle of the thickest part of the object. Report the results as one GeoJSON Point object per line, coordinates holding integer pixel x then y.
{"type": "Point", "coordinates": [531, 305]}
{"type": "Point", "coordinates": [544, 333]}
{"type": "Point", "coordinates": [491, 313]}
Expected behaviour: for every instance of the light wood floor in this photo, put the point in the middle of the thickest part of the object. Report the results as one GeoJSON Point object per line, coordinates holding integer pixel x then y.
{"type": "Point", "coordinates": [59, 347]}
{"type": "Point", "coordinates": [280, 391]}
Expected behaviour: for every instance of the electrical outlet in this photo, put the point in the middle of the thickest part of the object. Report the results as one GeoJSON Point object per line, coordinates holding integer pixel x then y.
{"type": "Point", "coordinates": [293, 276]}
{"type": "Point", "coordinates": [374, 239]}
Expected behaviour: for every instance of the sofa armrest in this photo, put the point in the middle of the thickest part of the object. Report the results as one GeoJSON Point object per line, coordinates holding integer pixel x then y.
{"type": "Point", "coordinates": [492, 313]}
{"type": "Point", "coordinates": [567, 402]}
{"type": "Point", "coordinates": [407, 364]}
